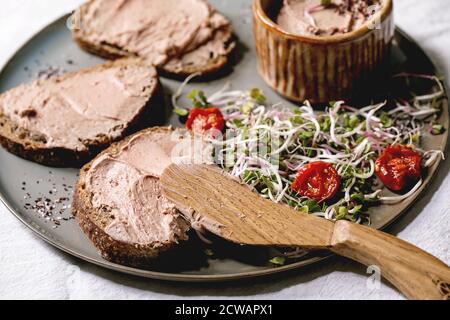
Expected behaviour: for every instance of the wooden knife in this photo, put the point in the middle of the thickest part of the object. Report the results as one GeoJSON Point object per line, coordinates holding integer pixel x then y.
{"type": "Point", "coordinates": [231, 210]}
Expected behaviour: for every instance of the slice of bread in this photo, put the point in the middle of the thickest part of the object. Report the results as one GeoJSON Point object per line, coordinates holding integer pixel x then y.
{"type": "Point", "coordinates": [208, 56]}
{"type": "Point", "coordinates": [89, 109]}
{"type": "Point", "coordinates": [207, 60]}
{"type": "Point", "coordinates": [124, 214]}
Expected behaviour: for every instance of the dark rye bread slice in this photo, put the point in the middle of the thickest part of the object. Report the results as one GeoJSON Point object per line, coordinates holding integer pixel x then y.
{"type": "Point", "coordinates": [33, 146]}
{"type": "Point", "coordinates": [207, 60]}
{"type": "Point", "coordinates": [207, 64]}
{"type": "Point", "coordinates": [94, 221]}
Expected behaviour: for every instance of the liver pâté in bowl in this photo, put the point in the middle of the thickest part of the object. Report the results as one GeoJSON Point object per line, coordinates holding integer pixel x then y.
{"type": "Point", "coordinates": [322, 51]}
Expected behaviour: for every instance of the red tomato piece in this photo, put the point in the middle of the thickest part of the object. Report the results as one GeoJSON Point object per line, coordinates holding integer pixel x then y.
{"type": "Point", "coordinates": [202, 120]}
{"type": "Point", "coordinates": [317, 180]}
{"type": "Point", "coordinates": [398, 167]}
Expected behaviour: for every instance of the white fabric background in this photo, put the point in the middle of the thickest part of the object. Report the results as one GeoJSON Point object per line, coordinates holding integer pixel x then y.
{"type": "Point", "coordinates": [29, 268]}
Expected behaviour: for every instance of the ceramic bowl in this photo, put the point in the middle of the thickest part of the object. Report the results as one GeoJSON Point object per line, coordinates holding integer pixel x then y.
{"type": "Point", "coordinates": [321, 69]}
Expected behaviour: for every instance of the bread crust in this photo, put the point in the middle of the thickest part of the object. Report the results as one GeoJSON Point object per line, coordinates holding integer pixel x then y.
{"type": "Point", "coordinates": [25, 144]}
{"type": "Point", "coordinates": [94, 221]}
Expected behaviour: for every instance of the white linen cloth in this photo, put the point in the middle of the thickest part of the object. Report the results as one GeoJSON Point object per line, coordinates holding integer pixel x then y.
{"type": "Point", "coordinates": [30, 268]}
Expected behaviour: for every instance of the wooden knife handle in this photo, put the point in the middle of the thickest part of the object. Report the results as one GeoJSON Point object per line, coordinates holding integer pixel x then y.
{"type": "Point", "coordinates": [417, 274]}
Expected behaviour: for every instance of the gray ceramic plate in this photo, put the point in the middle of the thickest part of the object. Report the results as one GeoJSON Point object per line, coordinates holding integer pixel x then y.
{"type": "Point", "coordinates": [22, 182]}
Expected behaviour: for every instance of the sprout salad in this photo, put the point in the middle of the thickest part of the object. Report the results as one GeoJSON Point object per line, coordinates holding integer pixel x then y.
{"type": "Point", "coordinates": [349, 138]}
